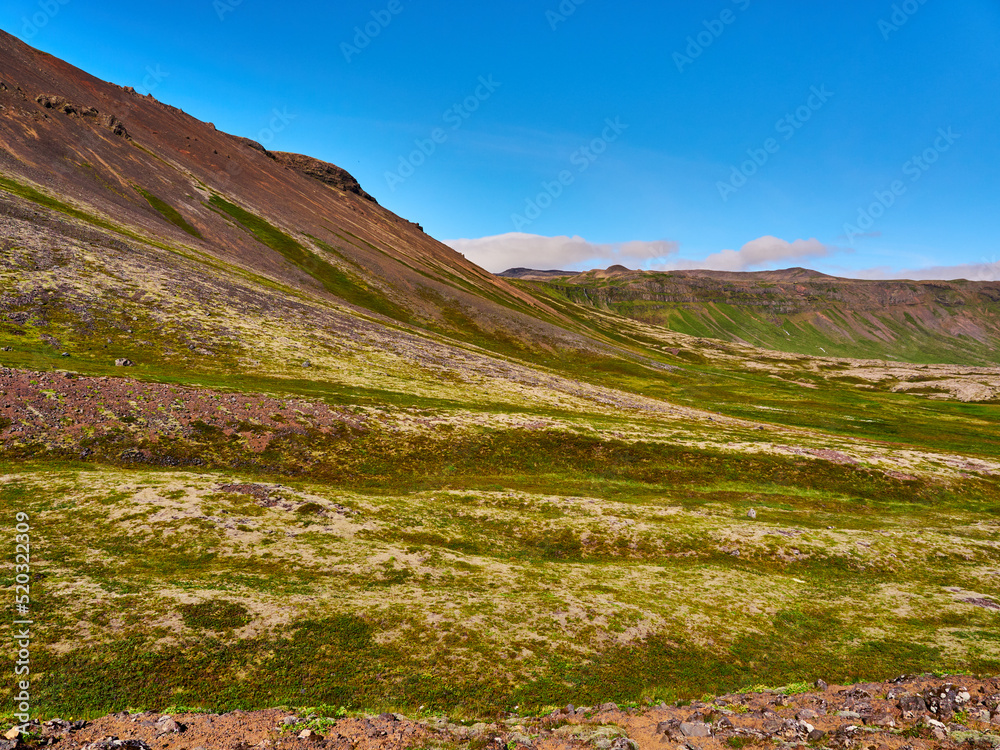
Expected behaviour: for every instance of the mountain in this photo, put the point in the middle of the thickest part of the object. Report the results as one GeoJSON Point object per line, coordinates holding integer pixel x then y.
{"type": "Point", "coordinates": [126, 160]}
{"type": "Point", "coordinates": [266, 444]}
{"type": "Point", "coordinates": [801, 311]}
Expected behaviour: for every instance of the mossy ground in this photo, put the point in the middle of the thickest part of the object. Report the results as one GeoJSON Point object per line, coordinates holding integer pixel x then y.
{"type": "Point", "coordinates": [466, 584]}
{"type": "Point", "coordinates": [524, 522]}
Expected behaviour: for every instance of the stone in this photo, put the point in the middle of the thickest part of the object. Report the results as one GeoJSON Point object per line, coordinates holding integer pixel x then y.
{"type": "Point", "coordinates": [806, 713]}
{"type": "Point", "coordinates": [848, 714]}
{"type": "Point", "coordinates": [821, 685]}
{"type": "Point", "coordinates": [880, 719]}
{"type": "Point", "coordinates": [116, 126]}
{"type": "Point", "coordinates": [167, 725]}
{"type": "Point", "coordinates": [522, 739]}
{"type": "Point", "coordinates": [817, 735]}
{"type": "Point", "coordinates": [608, 707]}
{"type": "Point", "coordinates": [124, 363]}
{"type": "Point", "coordinates": [308, 735]}
{"type": "Point", "coordinates": [13, 733]}
{"type": "Point", "coordinates": [290, 720]}
{"type": "Point", "coordinates": [113, 743]}
{"type": "Point", "coordinates": [695, 729]}
{"type": "Point", "coordinates": [912, 703]}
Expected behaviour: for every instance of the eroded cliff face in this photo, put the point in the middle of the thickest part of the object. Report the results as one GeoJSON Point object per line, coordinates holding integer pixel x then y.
{"type": "Point", "coordinates": [801, 311]}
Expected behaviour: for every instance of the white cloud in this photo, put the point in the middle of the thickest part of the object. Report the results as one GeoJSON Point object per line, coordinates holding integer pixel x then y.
{"type": "Point", "coordinates": [519, 250]}
{"type": "Point", "coordinates": [762, 251]}
{"type": "Point", "coordinates": [986, 271]}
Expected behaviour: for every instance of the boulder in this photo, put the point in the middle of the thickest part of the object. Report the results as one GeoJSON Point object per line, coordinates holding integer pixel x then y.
{"type": "Point", "coordinates": [167, 725]}
{"type": "Point", "coordinates": [695, 729]}
{"type": "Point", "coordinates": [912, 703]}
{"type": "Point", "coordinates": [116, 126]}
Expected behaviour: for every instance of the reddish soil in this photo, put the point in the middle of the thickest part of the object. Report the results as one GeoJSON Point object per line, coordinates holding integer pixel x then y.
{"type": "Point", "coordinates": [910, 712]}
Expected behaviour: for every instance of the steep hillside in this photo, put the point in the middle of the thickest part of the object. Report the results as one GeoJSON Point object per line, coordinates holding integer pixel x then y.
{"type": "Point", "coordinates": [145, 170]}
{"type": "Point", "coordinates": [802, 311]}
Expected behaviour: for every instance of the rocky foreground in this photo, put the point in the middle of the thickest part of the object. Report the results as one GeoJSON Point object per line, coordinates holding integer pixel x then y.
{"type": "Point", "coordinates": [909, 712]}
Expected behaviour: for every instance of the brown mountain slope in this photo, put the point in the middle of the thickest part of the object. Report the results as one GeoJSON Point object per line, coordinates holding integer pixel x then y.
{"type": "Point", "coordinates": [802, 311]}
{"type": "Point", "coordinates": [137, 164]}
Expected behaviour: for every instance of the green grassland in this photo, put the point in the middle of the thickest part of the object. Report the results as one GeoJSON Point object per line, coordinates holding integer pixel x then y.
{"type": "Point", "coordinates": [476, 578]}
{"type": "Point", "coordinates": [516, 523]}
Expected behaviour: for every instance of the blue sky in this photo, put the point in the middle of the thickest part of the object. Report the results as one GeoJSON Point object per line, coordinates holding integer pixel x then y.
{"type": "Point", "coordinates": [859, 138]}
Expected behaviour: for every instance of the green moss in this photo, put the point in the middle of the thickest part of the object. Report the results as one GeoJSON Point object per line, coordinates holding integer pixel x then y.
{"type": "Point", "coordinates": [339, 283]}
{"type": "Point", "coordinates": [168, 212]}
{"type": "Point", "coordinates": [218, 615]}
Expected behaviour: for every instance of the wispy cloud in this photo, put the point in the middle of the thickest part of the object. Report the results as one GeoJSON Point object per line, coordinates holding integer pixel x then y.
{"type": "Point", "coordinates": [985, 271]}
{"type": "Point", "coordinates": [760, 252]}
{"type": "Point", "coordinates": [519, 250]}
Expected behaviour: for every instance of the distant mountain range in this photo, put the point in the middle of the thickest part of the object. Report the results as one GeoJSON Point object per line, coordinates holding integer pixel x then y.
{"type": "Point", "coordinates": [798, 310]}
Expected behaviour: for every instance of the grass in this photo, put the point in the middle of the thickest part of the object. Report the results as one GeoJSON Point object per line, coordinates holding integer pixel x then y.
{"type": "Point", "coordinates": [168, 212]}
{"type": "Point", "coordinates": [541, 527]}
{"type": "Point", "coordinates": [350, 288]}
{"type": "Point", "coordinates": [510, 587]}
{"type": "Point", "coordinates": [729, 312]}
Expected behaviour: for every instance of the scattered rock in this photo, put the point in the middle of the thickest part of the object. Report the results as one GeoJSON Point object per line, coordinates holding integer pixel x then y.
{"type": "Point", "coordinates": [116, 126]}
{"type": "Point", "coordinates": [308, 735]}
{"type": "Point", "coordinates": [982, 602]}
{"type": "Point", "coordinates": [13, 733]}
{"type": "Point", "coordinates": [167, 725]}
{"type": "Point", "coordinates": [695, 729]}
{"type": "Point", "coordinates": [113, 743]}
{"type": "Point", "coordinates": [912, 703]}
